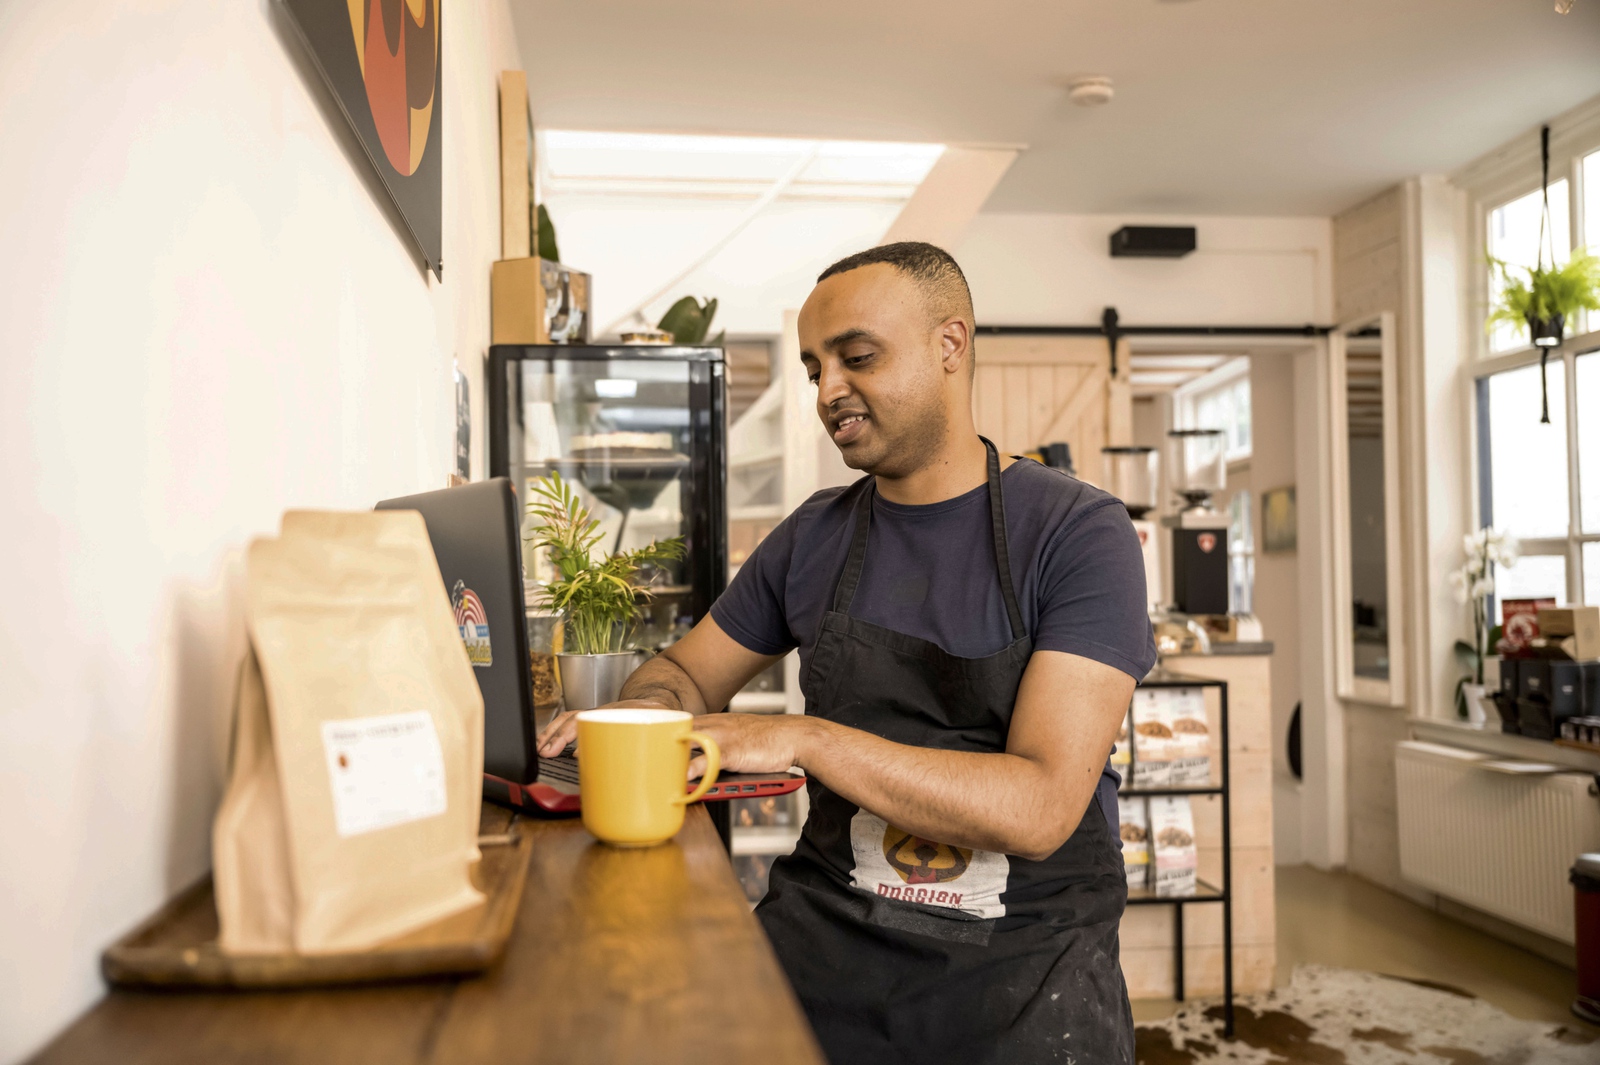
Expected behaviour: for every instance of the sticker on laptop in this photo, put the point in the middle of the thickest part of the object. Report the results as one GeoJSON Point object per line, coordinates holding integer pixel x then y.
{"type": "Point", "coordinates": [472, 623]}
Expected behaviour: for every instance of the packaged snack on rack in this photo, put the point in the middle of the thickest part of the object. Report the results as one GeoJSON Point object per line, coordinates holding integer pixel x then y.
{"type": "Point", "coordinates": [1134, 828]}
{"type": "Point", "coordinates": [1122, 752]}
{"type": "Point", "coordinates": [1153, 743]}
{"type": "Point", "coordinates": [1172, 835]}
{"type": "Point", "coordinates": [1191, 736]}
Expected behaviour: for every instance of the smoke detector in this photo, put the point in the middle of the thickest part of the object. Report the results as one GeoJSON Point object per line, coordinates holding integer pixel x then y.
{"type": "Point", "coordinates": [1090, 91]}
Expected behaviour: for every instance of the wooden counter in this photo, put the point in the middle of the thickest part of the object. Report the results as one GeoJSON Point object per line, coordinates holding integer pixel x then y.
{"type": "Point", "coordinates": [618, 956]}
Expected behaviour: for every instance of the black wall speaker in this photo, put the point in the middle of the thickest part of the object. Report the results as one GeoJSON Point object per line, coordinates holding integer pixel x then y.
{"type": "Point", "coordinates": [1152, 242]}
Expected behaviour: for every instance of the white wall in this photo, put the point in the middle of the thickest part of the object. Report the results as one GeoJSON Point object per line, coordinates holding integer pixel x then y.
{"type": "Point", "coordinates": [1277, 590]}
{"type": "Point", "coordinates": [205, 318]}
{"type": "Point", "coordinates": [1056, 270]}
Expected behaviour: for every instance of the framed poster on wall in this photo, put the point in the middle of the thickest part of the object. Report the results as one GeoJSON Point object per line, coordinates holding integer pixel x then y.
{"type": "Point", "coordinates": [382, 61]}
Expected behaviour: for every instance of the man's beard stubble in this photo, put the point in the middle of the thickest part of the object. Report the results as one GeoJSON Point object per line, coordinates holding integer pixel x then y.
{"type": "Point", "coordinates": [918, 437]}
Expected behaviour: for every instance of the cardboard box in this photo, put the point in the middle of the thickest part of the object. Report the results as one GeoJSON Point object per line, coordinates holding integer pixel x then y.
{"type": "Point", "coordinates": [536, 301]}
{"type": "Point", "coordinates": [1575, 628]}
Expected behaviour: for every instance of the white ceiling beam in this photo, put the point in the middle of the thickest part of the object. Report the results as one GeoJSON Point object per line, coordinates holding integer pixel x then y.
{"type": "Point", "coordinates": [952, 194]}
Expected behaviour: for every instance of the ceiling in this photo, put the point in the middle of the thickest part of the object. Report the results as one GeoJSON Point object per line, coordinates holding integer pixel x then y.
{"type": "Point", "coordinates": [1257, 107]}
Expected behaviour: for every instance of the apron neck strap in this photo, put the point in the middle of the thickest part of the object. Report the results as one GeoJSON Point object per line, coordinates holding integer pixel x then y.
{"type": "Point", "coordinates": [845, 592]}
{"type": "Point", "coordinates": [1002, 549]}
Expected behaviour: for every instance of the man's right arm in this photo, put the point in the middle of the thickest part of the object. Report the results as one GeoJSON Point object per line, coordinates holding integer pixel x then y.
{"type": "Point", "coordinates": [699, 673]}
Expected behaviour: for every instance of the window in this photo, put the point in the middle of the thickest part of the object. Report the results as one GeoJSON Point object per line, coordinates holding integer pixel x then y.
{"type": "Point", "coordinates": [1525, 484]}
{"type": "Point", "coordinates": [1527, 460]}
{"type": "Point", "coordinates": [1241, 553]}
{"type": "Point", "coordinates": [1541, 481]}
{"type": "Point", "coordinates": [1514, 238]}
{"type": "Point", "coordinates": [1591, 216]}
{"type": "Point", "coordinates": [1219, 399]}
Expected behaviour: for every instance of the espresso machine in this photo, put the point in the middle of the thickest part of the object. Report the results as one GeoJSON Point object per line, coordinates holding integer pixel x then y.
{"type": "Point", "coordinates": [1197, 469]}
{"type": "Point", "coordinates": [1133, 475]}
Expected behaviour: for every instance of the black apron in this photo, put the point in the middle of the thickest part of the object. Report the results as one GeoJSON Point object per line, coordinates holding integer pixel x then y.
{"type": "Point", "coordinates": [907, 950]}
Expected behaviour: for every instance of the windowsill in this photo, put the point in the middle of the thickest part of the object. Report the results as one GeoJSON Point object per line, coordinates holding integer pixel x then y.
{"type": "Point", "coordinates": [1489, 740]}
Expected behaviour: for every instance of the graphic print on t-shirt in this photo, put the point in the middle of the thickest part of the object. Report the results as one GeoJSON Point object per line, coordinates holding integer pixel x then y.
{"type": "Point", "coordinates": [896, 864]}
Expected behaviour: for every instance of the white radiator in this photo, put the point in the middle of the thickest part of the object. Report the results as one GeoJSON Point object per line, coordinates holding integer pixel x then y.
{"type": "Point", "coordinates": [1499, 843]}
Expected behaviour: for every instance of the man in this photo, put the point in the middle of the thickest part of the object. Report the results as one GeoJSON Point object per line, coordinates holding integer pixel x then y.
{"type": "Point", "coordinates": [970, 629]}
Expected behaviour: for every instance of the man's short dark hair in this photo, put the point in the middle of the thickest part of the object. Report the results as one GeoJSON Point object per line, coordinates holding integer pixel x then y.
{"type": "Point", "coordinates": [933, 269]}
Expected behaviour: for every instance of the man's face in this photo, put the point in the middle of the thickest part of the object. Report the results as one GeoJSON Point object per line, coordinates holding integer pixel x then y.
{"type": "Point", "coordinates": [881, 369]}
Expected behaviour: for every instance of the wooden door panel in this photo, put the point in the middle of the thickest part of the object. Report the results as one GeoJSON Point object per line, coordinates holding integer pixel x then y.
{"type": "Point", "coordinates": [1033, 390]}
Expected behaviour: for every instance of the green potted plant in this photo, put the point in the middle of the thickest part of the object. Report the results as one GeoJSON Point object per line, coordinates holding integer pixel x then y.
{"type": "Point", "coordinates": [597, 595]}
{"type": "Point", "coordinates": [689, 320]}
{"type": "Point", "coordinates": [1547, 299]}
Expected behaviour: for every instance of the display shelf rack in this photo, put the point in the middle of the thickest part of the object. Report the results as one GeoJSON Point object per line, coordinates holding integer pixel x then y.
{"type": "Point", "coordinates": [765, 839]}
{"type": "Point", "coordinates": [1204, 892]}
{"type": "Point", "coordinates": [759, 702]}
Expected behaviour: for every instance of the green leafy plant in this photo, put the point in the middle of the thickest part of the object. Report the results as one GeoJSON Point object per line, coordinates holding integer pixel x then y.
{"type": "Point", "coordinates": [546, 247]}
{"type": "Point", "coordinates": [596, 596]}
{"type": "Point", "coordinates": [1541, 294]}
{"type": "Point", "coordinates": [689, 321]}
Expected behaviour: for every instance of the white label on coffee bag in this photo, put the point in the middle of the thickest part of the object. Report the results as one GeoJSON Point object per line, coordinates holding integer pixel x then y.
{"type": "Point", "coordinates": [385, 770]}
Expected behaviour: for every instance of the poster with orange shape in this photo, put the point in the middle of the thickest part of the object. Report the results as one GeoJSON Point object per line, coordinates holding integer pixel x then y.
{"type": "Point", "coordinates": [381, 60]}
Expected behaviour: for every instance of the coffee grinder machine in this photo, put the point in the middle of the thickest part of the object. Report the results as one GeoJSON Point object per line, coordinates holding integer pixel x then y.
{"type": "Point", "coordinates": [1133, 476]}
{"type": "Point", "coordinates": [1197, 466]}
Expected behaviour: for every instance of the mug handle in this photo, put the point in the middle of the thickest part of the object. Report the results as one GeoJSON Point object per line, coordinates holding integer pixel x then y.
{"type": "Point", "coordinates": [713, 766]}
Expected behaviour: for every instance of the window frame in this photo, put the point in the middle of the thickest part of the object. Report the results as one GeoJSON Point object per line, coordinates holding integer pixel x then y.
{"type": "Point", "coordinates": [1490, 182]}
{"type": "Point", "coordinates": [1569, 546]}
{"type": "Point", "coordinates": [1186, 400]}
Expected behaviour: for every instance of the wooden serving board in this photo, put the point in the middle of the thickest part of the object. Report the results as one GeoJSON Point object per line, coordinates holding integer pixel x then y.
{"type": "Point", "coordinates": [177, 947]}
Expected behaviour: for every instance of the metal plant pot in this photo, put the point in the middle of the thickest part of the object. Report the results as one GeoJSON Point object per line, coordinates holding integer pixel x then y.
{"type": "Point", "coordinates": [1546, 332]}
{"type": "Point", "coordinates": [588, 681]}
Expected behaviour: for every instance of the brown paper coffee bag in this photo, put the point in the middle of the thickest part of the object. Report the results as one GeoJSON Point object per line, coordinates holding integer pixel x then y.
{"type": "Point", "coordinates": [351, 812]}
{"type": "Point", "coordinates": [347, 526]}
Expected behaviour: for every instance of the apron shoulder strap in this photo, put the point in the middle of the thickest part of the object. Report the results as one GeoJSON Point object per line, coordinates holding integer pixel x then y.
{"type": "Point", "coordinates": [1002, 550]}
{"type": "Point", "coordinates": [845, 591]}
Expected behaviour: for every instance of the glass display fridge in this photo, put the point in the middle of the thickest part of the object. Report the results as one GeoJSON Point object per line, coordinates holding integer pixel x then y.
{"type": "Point", "coordinates": [640, 432]}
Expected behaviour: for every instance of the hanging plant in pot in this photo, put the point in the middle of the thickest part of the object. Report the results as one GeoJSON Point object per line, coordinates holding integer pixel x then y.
{"type": "Point", "coordinates": [596, 595]}
{"type": "Point", "coordinates": [1546, 299]}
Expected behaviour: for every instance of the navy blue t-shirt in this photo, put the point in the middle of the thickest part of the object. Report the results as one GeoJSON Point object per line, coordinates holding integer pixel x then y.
{"type": "Point", "coordinates": [930, 573]}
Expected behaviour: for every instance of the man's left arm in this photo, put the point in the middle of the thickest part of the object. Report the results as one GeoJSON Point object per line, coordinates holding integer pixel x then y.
{"type": "Point", "coordinates": [1025, 801]}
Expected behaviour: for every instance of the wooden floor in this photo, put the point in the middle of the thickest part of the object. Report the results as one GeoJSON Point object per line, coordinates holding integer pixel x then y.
{"type": "Point", "coordinates": [1342, 920]}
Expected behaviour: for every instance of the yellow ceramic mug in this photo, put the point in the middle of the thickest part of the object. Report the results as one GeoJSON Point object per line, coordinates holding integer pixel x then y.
{"type": "Point", "coordinates": [633, 766]}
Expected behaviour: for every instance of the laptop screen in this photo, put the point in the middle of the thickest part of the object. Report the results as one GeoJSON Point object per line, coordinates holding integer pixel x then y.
{"type": "Point", "coordinates": [476, 539]}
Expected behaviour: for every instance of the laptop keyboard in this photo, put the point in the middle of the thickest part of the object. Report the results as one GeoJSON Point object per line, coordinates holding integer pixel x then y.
{"type": "Point", "coordinates": [562, 768]}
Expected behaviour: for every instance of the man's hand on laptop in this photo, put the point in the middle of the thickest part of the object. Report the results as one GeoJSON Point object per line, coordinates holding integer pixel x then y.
{"type": "Point", "coordinates": [563, 728]}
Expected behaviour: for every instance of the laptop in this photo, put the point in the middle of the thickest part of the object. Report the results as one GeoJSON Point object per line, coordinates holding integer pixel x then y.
{"type": "Point", "coordinates": [477, 541]}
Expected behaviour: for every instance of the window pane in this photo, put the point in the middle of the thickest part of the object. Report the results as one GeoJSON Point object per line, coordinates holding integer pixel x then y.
{"type": "Point", "coordinates": [1533, 577]}
{"type": "Point", "coordinates": [1589, 441]}
{"type": "Point", "coordinates": [1527, 460]}
{"type": "Point", "coordinates": [1241, 409]}
{"type": "Point", "coordinates": [1591, 216]}
{"type": "Point", "coordinates": [1514, 239]}
{"type": "Point", "coordinates": [1242, 579]}
{"type": "Point", "coordinates": [1241, 538]}
{"type": "Point", "coordinates": [1591, 574]}
{"type": "Point", "coordinates": [1241, 547]}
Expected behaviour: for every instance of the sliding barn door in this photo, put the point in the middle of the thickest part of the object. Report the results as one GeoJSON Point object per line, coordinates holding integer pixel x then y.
{"type": "Point", "coordinates": [1033, 390]}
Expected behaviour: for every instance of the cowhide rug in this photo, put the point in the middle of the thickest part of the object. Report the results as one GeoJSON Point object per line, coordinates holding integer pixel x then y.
{"type": "Point", "coordinates": [1338, 1017]}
